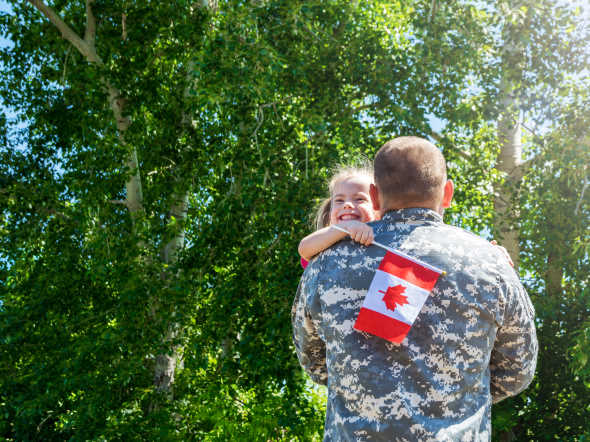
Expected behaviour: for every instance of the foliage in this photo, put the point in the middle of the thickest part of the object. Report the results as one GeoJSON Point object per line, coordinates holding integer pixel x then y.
{"type": "Point", "coordinates": [554, 221]}
{"type": "Point", "coordinates": [273, 93]}
{"type": "Point", "coordinates": [246, 106]}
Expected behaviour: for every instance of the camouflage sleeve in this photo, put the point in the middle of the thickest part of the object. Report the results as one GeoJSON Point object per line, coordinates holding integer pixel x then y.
{"type": "Point", "coordinates": [310, 347]}
{"type": "Point", "coordinates": [514, 356]}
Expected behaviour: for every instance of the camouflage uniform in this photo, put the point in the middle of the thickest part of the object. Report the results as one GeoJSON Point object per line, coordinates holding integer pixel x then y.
{"type": "Point", "coordinates": [474, 341]}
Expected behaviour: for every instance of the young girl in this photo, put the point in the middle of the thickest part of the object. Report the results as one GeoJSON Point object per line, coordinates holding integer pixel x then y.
{"type": "Point", "coordinates": [349, 207]}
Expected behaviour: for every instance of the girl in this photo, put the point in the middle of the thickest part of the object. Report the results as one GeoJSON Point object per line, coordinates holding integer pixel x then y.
{"type": "Point", "coordinates": [349, 207]}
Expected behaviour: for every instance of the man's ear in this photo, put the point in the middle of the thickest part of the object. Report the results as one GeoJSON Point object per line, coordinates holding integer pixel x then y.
{"type": "Point", "coordinates": [447, 194]}
{"type": "Point", "coordinates": [374, 193]}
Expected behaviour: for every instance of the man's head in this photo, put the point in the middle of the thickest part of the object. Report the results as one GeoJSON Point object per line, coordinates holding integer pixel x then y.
{"type": "Point", "coordinates": [410, 172]}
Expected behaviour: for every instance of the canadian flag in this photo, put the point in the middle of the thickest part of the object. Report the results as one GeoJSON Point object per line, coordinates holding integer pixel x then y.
{"type": "Point", "coordinates": [397, 293]}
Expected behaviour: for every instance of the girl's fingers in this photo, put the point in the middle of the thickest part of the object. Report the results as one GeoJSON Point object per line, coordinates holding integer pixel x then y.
{"type": "Point", "coordinates": [364, 238]}
{"type": "Point", "coordinates": [370, 239]}
{"type": "Point", "coordinates": [360, 237]}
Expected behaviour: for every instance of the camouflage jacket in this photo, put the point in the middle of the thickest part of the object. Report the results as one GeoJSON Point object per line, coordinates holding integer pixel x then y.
{"type": "Point", "coordinates": [473, 342]}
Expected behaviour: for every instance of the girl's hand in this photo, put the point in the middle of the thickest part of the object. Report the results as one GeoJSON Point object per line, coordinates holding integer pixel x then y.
{"type": "Point", "coordinates": [359, 232]}
{"type": "Point", "coordinates": [503, 250]}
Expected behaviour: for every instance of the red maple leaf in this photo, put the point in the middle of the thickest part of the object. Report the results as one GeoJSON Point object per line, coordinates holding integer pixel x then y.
{"type": "Point", "coordinates": [393, 297]}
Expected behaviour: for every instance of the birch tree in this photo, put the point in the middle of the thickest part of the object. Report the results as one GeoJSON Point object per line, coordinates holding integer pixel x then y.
{"type": "Point", "coordinates": [530, 115]}
{"type": "Point", "coordinates": [156, 178]}
{"type": "Point", "coordinates": [161, 167]}
{"type": "Point", "coordinates": [165, 363]}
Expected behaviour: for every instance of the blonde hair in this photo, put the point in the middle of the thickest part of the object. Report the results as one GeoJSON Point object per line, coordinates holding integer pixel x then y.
{"type": "Point", "coordinates": [341, 173]}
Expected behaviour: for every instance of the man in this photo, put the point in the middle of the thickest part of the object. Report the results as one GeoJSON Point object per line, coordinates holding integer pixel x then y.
{"type": "Point", "coordinates": [472, 343]}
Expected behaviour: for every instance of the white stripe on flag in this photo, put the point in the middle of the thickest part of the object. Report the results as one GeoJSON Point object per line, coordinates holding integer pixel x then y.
{"type": "Point", "coordinates": [406, 313]}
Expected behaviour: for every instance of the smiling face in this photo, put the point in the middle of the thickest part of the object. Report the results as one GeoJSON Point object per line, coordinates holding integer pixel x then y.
{"type": "Point", "coordinates": [351, 201]}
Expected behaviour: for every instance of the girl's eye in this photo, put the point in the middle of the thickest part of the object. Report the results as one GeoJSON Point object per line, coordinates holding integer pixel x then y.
{"type": "Point", "coordinates": [338, 201]}
{"type": "Point", "coordinates": [361, 200]}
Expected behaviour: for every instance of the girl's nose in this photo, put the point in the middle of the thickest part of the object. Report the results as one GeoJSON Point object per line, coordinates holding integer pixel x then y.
{"type": "Point", "coordinates": [348, 204]}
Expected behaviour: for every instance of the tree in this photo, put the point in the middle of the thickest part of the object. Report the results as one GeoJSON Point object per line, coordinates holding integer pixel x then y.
{"type": "Point", "coordinates": [531, 85]}
{"type": "Point", "coordinates": [554, 225]}
{"type": "Point", "coordinates": [160, 173]}
{"type": "Point", "coordinates": [153, 195]}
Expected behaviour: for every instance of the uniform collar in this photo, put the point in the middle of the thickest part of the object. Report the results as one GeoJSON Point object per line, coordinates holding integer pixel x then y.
{"type": "Point", "coordinates": [411, 214]}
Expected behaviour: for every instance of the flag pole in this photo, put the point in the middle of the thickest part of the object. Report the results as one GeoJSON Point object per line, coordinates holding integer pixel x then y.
{"type": "Point", "coordinates": [389, 249]}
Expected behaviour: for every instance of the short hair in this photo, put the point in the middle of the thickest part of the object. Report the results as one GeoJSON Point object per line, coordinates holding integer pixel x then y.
{"type": "Point", "coordinates": [409, 170]}
{"type": "Point", "coordinates": [341, 173]}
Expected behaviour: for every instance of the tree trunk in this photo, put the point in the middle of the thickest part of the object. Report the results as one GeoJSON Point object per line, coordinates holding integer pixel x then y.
{"type": "Point", "coordinates": [510, 161]}
{"type": "Point", "coordinates": [510, 165]}
{"type": "Point", "coordinates": [554, 275]}
{"type": "Point", "coordinates": [166, 363]}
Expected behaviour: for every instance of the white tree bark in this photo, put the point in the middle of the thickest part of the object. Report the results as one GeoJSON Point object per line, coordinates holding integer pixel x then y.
{"type": "Point", "coordinates": [86, 47]}
{"type": "Point", "coordinates": [510, 164]}
{"type": "Point", "coordinates": [166, 363]}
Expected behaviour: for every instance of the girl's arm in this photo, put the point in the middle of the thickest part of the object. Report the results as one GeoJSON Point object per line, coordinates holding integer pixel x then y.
{"type": "Point", "coordinates": [320, 240]}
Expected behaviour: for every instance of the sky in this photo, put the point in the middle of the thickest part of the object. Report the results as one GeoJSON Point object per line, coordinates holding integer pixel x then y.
{"type": "Point", "coordinates": [4, 7]}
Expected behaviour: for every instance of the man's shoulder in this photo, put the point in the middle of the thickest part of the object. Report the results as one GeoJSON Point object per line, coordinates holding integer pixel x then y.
{"type": "Point", "coordinates": [436, 230]}
{"type": "Point", "coordinates": [465, 235]}
{"type": "Point", "coordinates": [470, 253]}
{"type": "Point", "coordinates": [444, 244]}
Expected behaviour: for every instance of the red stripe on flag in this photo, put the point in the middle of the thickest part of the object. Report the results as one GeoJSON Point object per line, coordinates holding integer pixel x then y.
{"type": "Point", "coordinates": [380, 325]}
{"type": "Point", "coordinates": [412, 272]}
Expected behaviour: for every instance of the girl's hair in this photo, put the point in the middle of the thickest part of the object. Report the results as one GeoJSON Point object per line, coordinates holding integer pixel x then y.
{"type": "Point", "coordinates": [322, 214]}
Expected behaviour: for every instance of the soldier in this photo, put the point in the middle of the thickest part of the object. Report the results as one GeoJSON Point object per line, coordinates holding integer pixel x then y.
{"type": "Point", "coordinates": [472, 343]}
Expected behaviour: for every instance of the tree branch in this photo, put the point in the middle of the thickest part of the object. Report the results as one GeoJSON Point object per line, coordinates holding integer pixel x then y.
{"type": "Point", "coordinates": [435, 135]}
{"type": "Point", "coordinates": [67, 32]}
{"type": "Point", "coordinates": [121, 202]}
{"type": "Point", "coordinates": [433, 6]}
{"type": "Point", "coordinates": [124, 26]}
{"type": "Point", "coordinates": [260, 114]}
{"type": "Point", "coordinates": [90, 34]}
{"type": "Point", "coordinates": [134, 201]}
{"type": "Point", "coordinates": [531, 131]}
{"type": "Point", "coordinates": [441, 139]}
{"type": "Point", "coordinates": [586, 184]}
{"type": "Point", "coordinates": [63, 75]}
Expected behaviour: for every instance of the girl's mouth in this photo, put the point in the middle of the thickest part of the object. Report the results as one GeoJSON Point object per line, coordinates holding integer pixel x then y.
{"type": "Point", "coordinates": [348, 217]}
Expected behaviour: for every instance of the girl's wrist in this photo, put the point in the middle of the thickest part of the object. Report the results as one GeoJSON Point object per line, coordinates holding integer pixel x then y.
{"type": "Point", "coordinates": [350, 223]}
{"type": "Point", "coordinates": [342, 225]}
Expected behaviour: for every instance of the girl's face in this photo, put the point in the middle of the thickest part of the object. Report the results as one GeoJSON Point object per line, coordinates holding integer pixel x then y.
{"type": "Point", "coordinates": [351, 201]}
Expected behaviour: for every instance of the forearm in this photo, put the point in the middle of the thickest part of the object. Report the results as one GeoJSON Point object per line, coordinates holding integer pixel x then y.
{"type": "Point", "coordinates": [513, 359]}
{"type": "Point", "coordinates": [311, 352]}
{"type": "Point", "coordinates": [319, 241]}
{"type": "Point", "coordinates": [310, 348]}
{"type": "Point", "coordinates": [510, 375]}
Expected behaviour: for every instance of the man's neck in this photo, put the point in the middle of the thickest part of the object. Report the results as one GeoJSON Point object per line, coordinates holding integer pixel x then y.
{"type": "Point", "coordinates": [423, 205]}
